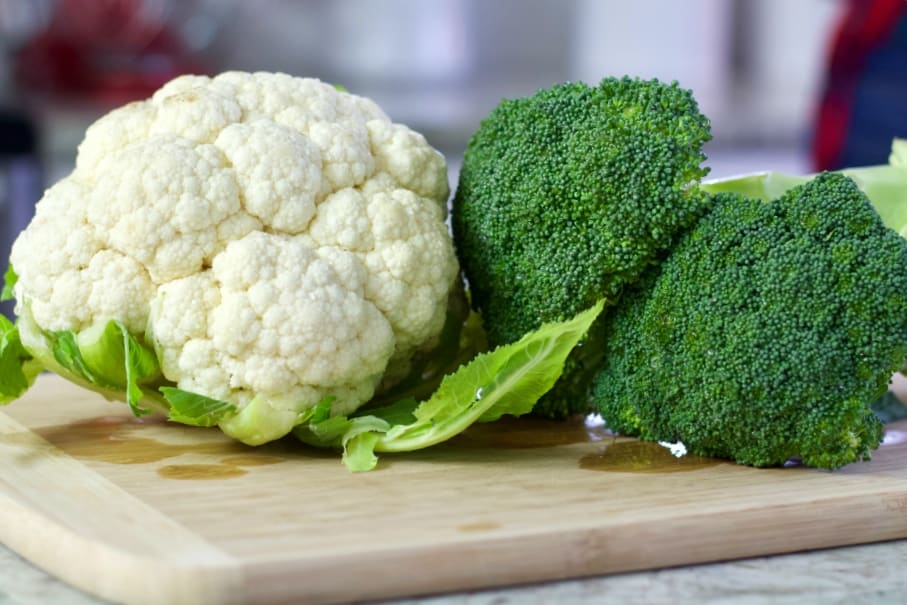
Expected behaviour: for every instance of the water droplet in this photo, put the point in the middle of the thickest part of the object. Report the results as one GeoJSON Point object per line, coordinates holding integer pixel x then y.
{"type": "Point", "coordinates": [593, 421]}
{"type": "Point", "coordinates": [677, 449]}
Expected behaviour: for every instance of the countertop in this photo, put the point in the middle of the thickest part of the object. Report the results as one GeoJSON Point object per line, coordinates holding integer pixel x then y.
{"type": "Point", "coordinates": [874, 573]}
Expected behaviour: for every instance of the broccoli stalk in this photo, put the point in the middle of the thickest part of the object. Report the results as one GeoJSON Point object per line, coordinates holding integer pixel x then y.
{"type": "Point", "coordinates": [766, 333]}
{"type": "Point", "coordinates": [565, 197]}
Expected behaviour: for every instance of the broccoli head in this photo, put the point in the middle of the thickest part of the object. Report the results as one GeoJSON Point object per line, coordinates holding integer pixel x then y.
{"type": "Point", "coordinates": [566, 196]}
{"type": "Point", "coordinates": [766, 333]}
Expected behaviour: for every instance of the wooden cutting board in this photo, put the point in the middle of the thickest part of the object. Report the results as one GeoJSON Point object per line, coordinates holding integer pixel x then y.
{"type": "Point", "coordinates": [151, 512]}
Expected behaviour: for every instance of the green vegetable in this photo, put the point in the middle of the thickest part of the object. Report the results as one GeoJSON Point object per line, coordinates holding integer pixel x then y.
{"type": "Point", "coordinates": [566, 196]}
{"type": "Point", "coordinates": [766, 333]}
{"type": "Point", "coordinates": [508, 380]}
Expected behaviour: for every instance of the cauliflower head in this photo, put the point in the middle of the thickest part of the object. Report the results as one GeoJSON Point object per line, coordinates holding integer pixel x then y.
{"type": "Point", "coordinates": [274, 240]}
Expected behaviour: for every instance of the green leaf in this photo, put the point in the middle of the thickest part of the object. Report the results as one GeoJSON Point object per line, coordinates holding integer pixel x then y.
{"type": "Point", "coordinates": [764, 186]}
{"type": "Point", "coordinates": [195, 410]}
{"type": "Point", "coordinates": [322, 410]}
{"type": "Point", "coordinates": [66, 351]}
{"type": "Point", "coordinates": [359, 453]}
{"type": "Point", "coordinates": [898, 155]}
{"type": "Point", "coordinates": [328, 432]}
{"type": "Point", "coordinates": [357, 436]}
{"type": "Point", "coordinates": [321, 429]}
{"type": "Point", "coordinates": [889, 408]}
{"type": "Point", "coordinates": [507, 380]}
{"type": "Point", "coordinates": [17, 368]}
{"type": "Point", "coordinates": [107, 356]}
{"type": "Point", "coordinates": [9, 282]}
{"type": "Point", "coordinates": [399, 412]}
{"type": "Point", "coordinates": [141, 364]}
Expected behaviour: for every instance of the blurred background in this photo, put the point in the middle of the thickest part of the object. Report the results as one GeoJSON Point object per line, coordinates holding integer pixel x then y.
{"type": "Point", "coordinates": [765, 71]}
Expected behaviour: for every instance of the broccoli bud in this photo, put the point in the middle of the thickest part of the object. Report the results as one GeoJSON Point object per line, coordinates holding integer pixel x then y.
{"type": "Point", "coordinates": [766, 333]}
{"type": "Point", "coordinates": [565, 197]}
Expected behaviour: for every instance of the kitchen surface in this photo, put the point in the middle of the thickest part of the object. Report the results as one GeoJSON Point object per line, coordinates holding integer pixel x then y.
{"type": "Point", "coordinates": [762, 71]}
{"type": "Point", "coordinates": [868, 575]}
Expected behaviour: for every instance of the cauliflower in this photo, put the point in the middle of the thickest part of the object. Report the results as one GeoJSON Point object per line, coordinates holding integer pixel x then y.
{"type": "Point", "coordinates": [275, 242]}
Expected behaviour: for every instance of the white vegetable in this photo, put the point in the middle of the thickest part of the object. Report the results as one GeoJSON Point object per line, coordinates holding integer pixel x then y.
{"type": "Point", "coordinates": [271, 237]}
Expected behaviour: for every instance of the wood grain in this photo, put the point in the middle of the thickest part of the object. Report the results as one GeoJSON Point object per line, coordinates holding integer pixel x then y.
{"type": "Point", "coordinates": [151, 512]}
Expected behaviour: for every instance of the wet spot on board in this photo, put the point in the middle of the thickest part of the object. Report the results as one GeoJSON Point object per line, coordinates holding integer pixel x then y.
{"type": "Point", "coordinates": [128, 440]}
{"type": "Point", "coordinates": [204, 472]}
{"type": "Point", "coordinates": [632, 456]}
{"type": "Point", "coordinates": [479, 526]}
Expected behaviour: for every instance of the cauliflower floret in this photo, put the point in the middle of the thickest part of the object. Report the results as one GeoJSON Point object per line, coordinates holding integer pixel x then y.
{"type": "Point", "coordinates": [401, 241]}
{"type": "Point", "coordinates": [280, 241]}
{"type": "Point", "coordinates": [198, 114]}
{"type": "Point", "coordinates": [75, 276]}
{"type": "Point", "coordinates": [333, 120]}
{"type": "Point", "coordinates": [166, 203]}
{"type": "Point", "coordinates": [405, 155]}
{"type": "Point", "coordinates": [112, 132]}
{"type": "Point", "coordinates": [275, 319]}
{"type": "Point", "coordinates": [279, 171]}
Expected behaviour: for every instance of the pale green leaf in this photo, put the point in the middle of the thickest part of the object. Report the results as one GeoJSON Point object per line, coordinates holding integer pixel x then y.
{"type": "Point", "coordinates": [194, 409]}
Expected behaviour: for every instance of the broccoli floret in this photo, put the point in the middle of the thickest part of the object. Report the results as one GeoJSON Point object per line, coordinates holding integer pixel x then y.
{"type": "Point", "coordinates": [766, 333]}
{"type": "Point", "coordinates": [566, 196]}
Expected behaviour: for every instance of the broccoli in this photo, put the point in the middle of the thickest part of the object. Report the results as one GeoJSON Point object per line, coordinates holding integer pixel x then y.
{"type": "Point", "coordinates": [566, 196]}
{"type": "Point", "coordinates": [766, 333]}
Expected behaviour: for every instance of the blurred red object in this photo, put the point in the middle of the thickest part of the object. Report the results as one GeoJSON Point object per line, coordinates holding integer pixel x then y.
{"type": "Point", "coordinates": [864, 68]}
{"type": "Point", "coordinates": [108, 51]}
